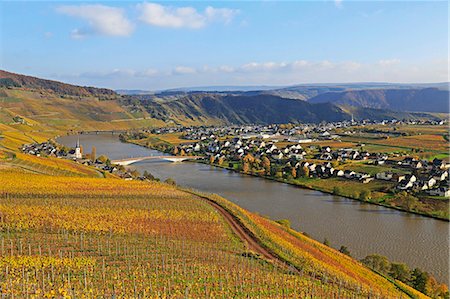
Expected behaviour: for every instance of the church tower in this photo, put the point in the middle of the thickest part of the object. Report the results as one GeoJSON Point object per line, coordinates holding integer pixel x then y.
{"type": "Point", "coordinates": [78, 154]}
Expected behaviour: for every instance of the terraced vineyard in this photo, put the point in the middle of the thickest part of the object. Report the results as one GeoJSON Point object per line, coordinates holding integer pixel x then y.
{"type": "Point", "coordinates": [93, 237]}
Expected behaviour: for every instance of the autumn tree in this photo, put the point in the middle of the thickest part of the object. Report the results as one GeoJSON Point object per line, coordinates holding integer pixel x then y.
{"type": "Point", "coordinates": [211, 159]}
{"type": "Point", "coordinates": [246, 167]}
{"type": "Point", "coordinates": [102, 159]}
{"type": "Point", "coordinates": [175, 151]}
{"type": "Point", "coordinates": [221, 160]}
{"type": "Point", "coordinates": [303, 172]}
{"type": "Point", "coordinates": [266, 165]}
{"type": "Point", "coordinates": [93, 154]}
{"type": "Point", "coordinates": [248, 158]}
{"type": "Point", "coordinates": [435, 289]}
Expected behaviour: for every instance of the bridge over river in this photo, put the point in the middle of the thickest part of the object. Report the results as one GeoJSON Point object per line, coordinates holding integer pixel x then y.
{"type": "Point", "coordinates": [132, 160]}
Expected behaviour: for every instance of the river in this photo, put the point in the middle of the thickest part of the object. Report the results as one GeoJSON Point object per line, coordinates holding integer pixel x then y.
{"type": "Point", "coordinates": [364, 228]}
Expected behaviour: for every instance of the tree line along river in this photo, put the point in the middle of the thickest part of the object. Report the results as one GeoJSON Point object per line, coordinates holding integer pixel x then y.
{"type": "Point", "coordinates": [364, 228]}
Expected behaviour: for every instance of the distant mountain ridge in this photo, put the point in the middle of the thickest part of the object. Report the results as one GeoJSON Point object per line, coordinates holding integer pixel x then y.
{"type": "Point", "coordinates": [303, 103]}
{"type": "Point", "coordinates": [414, 100]}
{"type": "Point", "coordinates": [424, 97]}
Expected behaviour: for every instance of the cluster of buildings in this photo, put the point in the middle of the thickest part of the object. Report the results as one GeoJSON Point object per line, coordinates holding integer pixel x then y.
{"type": "Point", "coordinates": [50, 149]}
{"type": "Point", "coordinates": [76, 154]}
{"type": "Point", "coordinates": [408, 174]}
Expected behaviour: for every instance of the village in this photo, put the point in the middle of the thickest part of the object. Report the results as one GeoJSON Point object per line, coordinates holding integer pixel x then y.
{"type": "Point", "coordinates": [413, 175]}
{"type": "Point", "coordinates": [293, 153]}
{"type": "Point", "coordinates": [101, 163]}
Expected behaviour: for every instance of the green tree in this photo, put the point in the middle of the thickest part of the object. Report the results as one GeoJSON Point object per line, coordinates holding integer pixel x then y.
{"type": "Point", "coordinates": [344, 250]}
{"type": "Point", "coordinates": [148, 175]}
{"type": "Point", "coordinates": [364, 195]}
{"type": "Point", "coordinates": [377, 262]}
{"type": "Point", "coordinates": [170, 181]}
{"type": "Point", "coordinates": [419, 279]}
{"type": "Point", "coordinates": [135, 173]}
{"type": "Point", "coordinates": [337, 190]}
{"type": "Point", "coordinates": [284, 222]}
{"type": "Point", "coordinates": [399, 271]}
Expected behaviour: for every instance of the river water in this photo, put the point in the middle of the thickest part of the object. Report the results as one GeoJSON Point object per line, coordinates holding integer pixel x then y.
{"type": "Point", "coordinates": [365, 229]}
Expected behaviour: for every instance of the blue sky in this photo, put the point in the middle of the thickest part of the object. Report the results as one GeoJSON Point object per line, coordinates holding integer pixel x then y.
{"type": "Point", "coordinates": [157, 45]}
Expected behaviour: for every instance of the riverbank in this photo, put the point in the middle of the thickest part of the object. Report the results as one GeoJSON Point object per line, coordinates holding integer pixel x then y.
{"type": "Point", "coordinates": [307, 185]}
{"type": "Point", "coordinates": [364, 229]}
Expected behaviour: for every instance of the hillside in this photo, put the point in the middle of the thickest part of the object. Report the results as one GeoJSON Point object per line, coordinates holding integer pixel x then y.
{"type": "Point", "coordinates": [413, 100]}
{"type": "Point", "coordinates": [107, 237]}
{"type": "Point", "coordinates": [8, 79]}
{"type": "Point", "coordinates": [44, 105]}
{"type": "Point", "coordinates": [244, 109]}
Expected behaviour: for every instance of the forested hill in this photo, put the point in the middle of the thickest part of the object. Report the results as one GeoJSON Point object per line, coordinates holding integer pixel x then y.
{"type": "Point", "coordinates": [424, 99]}
{"type": "Point", "coordinates": [8, 79]}
{"type": "Point", "coordinates": [243, 109]}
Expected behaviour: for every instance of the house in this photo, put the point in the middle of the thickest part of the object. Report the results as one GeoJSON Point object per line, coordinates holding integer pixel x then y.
{"type": "Point", "coordinates": [416, 164]}
{"type": "Point", "coordinates": [386, 176]}
{"type": "Point", "coordinates": [339, 173]}
{"type": "Point", "coordinates": [440, 164]}
{"type": "Point", "coordinates": [348, 174]}
{"type": "Point", "coordinates": [277, 155]}
{"type": "Point", "coordinates": [408, 182]}
{"type": "Point", "coordinates": [380, 162]}
{"type": "Point", "coordinates": [407, 161]}
{"type": "Point", "coordinates": [365, 180]}
{"type": "Point", "coordinates": [405, 185]}
{"type": "Point", "coordinates": [411, 178]}
{"type": "Point", "coordinates": [396, 177]}
{"type": "Point", "coordinates": [430, 182]}
{"type": "Point", "coordinates": [440, 175]}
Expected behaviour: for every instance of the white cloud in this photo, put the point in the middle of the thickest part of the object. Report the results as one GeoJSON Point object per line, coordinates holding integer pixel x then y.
{"type": "Point", "coordinates": [338, 3]}
{"type": "Point", "coordinates": [104, 20]}
{"type": "Point", "coordinates": [183, 70]}
{"type": "Point", "coordinates": [388, 62]}
{"type": "Point", "coordinates": [183, 17]}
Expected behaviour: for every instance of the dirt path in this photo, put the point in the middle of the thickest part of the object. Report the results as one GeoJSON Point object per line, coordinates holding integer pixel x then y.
{"type": "Point", "coordinates": [241, 231]}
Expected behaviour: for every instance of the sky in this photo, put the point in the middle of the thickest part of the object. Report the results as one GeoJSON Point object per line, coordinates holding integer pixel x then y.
{"type": "Point", "coordinates": [160, 45]}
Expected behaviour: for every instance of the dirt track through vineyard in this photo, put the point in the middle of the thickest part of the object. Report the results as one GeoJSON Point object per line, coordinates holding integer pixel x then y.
{"type": "Point", "coordinates": [247, 237]}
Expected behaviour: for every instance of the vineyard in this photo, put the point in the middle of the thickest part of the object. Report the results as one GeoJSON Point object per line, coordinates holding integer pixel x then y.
{"type": "Point", "coordinates": [109, 238]}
